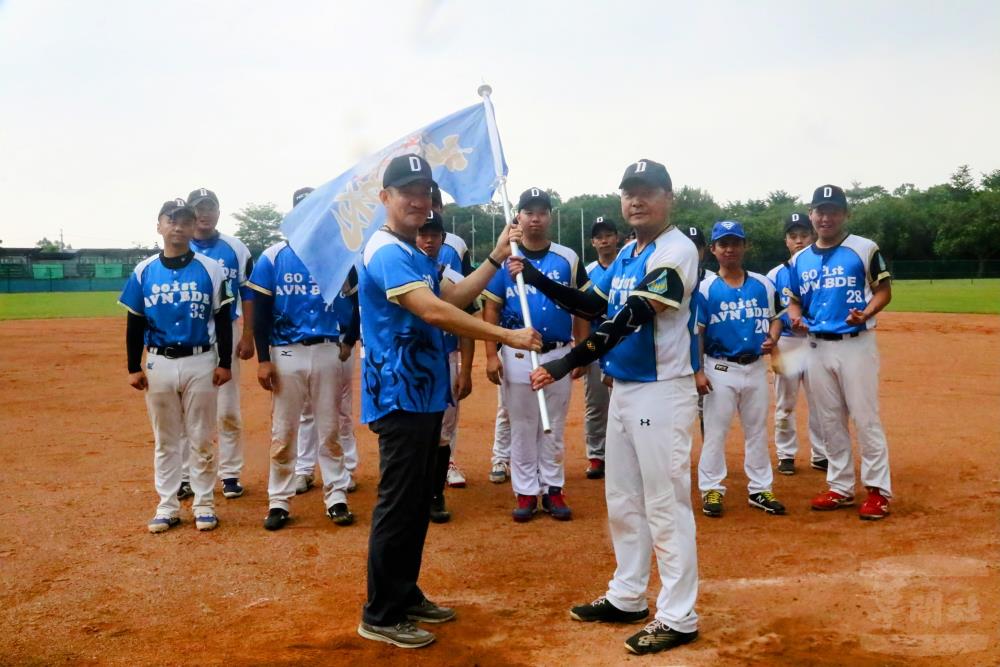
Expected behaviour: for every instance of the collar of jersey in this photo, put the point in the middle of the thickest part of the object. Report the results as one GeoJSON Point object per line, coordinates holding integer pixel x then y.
{"type": "Point", "coordinates": [177, 262]}
{"type": "Point", "coordinates": [388, 230]}
{"type": "Point", "coordinates": [536, 254]}
{"type": "Point", "coordinates": [206, 243]}
{"type": "Point", "coordinates": [823, 251]}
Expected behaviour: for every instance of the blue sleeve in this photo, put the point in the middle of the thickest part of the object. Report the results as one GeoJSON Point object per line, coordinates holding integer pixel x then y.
{"type": "Point", "coordinates": [496, 289]}
{"type": "Point", "coordinates": [393, 270]}
{"type": "Point", "coordinates": [262, 279]}
{"type": "Point", "coordinates": [793, 283]}
{"type": "Point", "coordinates": [603, 284]}
{"type": "Point", "coordinates": [131, 296]}
{"type": "Point", "coordinates": [701, 309]}
{"type": "Point", "coordinates": [693, 331]}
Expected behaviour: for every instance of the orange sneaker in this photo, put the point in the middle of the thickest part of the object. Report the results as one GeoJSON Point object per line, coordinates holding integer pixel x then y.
{"type": "Point", "coordinates": [875, 507]}
{"type": "Point", "coordinates": [831, 500]}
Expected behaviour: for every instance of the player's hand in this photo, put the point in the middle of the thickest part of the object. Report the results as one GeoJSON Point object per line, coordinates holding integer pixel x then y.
{"type": "Point", "coordinates": [138, 381]}
{"type": "Point", "coordinates": [494, 370]}
{"type": "Point", "coordinates": [578, 372]}
{"type": "Point", "coordinates": [463, 385]}
{"type": "Point", "coordinates": [515, 265]}
{"type": "Point", "coordinates": [245, 348]}
{"type": "Point", "coordinates": [798, 325]}
{"type": "Point", "coordinates": [221, 376]}
{"type": "Point", "coordinates": [345, 352]}
{"type": "Point", "coordinates": [607, 381]}
{"type": "Point", "coordinates": [510, 233]}
{"type": "Point", "coordinates": [523, 339]}
{"type": "Point", "coordinates": [267, 376]}
{"type": "Point", "coordinates": [541, 378]}
{"type": "Point", "coordinates": [768, 346]}
{"type": "Point", "coordinates": [702, 383]}
{"type": "Point", "coordinates": [856, 317]}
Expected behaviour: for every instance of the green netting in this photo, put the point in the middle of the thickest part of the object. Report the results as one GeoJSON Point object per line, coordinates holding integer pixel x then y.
{"type": "Point", "coordinates": [108, 270]}
{"type": "Point", "coordinates": [45, 271]}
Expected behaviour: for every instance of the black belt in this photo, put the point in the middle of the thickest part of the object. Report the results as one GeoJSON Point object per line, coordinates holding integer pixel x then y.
{"type": "Point", "coordinates": [553, 345]}
{"type": "Point", "coordinates": [177, 351]}
{"type": "Point", "coordinates": [742, 359]}
{"type": "Point", "coordinates": [317, 341]}
{"type": "Point", "coordinates": [833, 336]}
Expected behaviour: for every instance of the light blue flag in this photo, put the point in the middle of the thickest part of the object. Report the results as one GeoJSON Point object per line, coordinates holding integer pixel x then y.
{"type": "Point", "coordinates": [330, 227]}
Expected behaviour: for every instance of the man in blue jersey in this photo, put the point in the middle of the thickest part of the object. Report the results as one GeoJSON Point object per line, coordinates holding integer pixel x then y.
{"type": "Point", "coordinates": [738, 322]}
{"type": "Point", "coordinates": [405, 390]}
{"type": "Point", "coordinates": [298, 342]}
{"type": "Point", "coordinates": [234, 257]}
{"type": "Point", "coordinates": [604, 240]}
{"type": "Point", "coordinates": [790, 369]}
{"type": "Point", "coordinates": [645, 345]}
{"type": "Point", "coordinates": [178, 308]}
{"type": "Point", "coordinates": [536, 457]}
{"type": "Point", "coordinates": [837, 286]}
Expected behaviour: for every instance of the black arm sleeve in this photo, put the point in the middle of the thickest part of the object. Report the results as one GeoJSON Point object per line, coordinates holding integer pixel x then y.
{"type": "Point", "coordinates": [588, 305]}
{"type": "Point", "coordinates": [224, 335]}
{"type": "Point", "coordinates": [263, 323]}
{"type": "Point", "coordinates": [135, 330]}
{"type": "Point", "coordinates": [636, 312]}
{"type": "Point", "coordinates": [354, 330]}
{"type": "Point", "coordinates": [466, 264]}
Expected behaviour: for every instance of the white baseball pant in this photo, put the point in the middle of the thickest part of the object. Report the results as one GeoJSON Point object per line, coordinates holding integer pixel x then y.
{"type": "Point", "coordinates": [449, 422]}
{"type": "Point", "coordinates": [182, 402]}
{"type": "Point", "coordinates": [501, 432]}
{"type": "Point", "coordinates": [308, 441]}
{"type": "Point", "coordinates": [743, 389]}
{"type": "Point", "coordinates": [843, 378]}
{"type": "Point", "coordinates": [793, 352]}
{"type": "Point", "coordinates": [313, 372]}
{"type": "Point", "coordinates": [596, 395]}
{"type": "Point", "coordinates": [647, 486]}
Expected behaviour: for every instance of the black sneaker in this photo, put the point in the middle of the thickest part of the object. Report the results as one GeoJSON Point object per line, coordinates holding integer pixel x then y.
{"type": "Point", "coordinates": [276, 519]}
{"type": "Point", "coordinates": [340, 515]}
{"type": "Point", "coordinates": [766, 501]}
{"type": "Point", "coordinates": [439, 513]}
{"type": "Point", "coordinates": [786, 466]}
{"type": "Point", "coordinates": [600, 610]}
{"type": "Point", "coordinates": [656, 637]}
{"type": "Point", "coordinates": [711, 503]}
{"type": "Point", "coordinates": [231, 487]}
{"type": "Point", "coordinates": [428, 612]}
{"type": "Point", "coordinates": [403, 635]}
{"type": "Point", "coordinates": [185, 491]}
{"type": "Point", "coordinates": [820, 464]}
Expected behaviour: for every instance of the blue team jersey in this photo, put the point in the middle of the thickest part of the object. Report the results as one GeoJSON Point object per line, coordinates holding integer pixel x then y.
{"type": "Point", "coordinates": [779, 277]}
{"type": "Point", "coordinates": [665, 271]}
{"type": "Point", "coordinates": [735, 320]}
{"type": "Point", "coordinates": [343, 305]}
{"type": "Point", "coordinates": [828, 282]}
{"type": "Point", "coordinates": [455, 254]}
{"type": "Point", "coordinates": [234, 257]}
{"type": "Point", "coordinates": [178, 303]}
{"type": "Point", "coordinates": [405, 367]}
{"type": "Point", "coordinates": [560, 264]}
{"type": "Point", "coordinates": [299, 310]}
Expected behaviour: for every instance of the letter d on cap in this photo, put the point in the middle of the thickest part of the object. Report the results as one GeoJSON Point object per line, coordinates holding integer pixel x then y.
{"type": "Point", "coordinates": [828, 191]}
{"type": "Point", "coordinates": [535, 192]}
{"type": "Point", "coordinates": [414, 163]}
{"type": "Point", "coordinates": [640, 166]}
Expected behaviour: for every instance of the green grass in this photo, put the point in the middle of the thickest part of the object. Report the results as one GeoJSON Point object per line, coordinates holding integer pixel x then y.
{"type": "Point", "coordinates": [946, 296]}
{"type": "Point", "coordinates": [920, 296]}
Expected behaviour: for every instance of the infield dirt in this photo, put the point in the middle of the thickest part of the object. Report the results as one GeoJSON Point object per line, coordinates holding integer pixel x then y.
{"type": "Point", "coordinates": [83, 583]}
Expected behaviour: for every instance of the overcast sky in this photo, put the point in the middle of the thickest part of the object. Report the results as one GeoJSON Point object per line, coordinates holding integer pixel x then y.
{"type": "Point", "coordinates": [108, 108]}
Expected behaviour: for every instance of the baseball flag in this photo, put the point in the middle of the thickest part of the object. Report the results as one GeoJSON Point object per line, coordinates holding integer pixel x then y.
{"type": "Point", "coordinates": [331, 226]}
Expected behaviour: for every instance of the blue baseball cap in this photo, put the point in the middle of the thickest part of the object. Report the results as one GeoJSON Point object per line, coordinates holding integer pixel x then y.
{"type": "Point", "coordinates": [727, 228]}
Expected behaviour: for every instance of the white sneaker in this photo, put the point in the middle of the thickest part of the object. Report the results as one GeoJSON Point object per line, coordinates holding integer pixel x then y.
{"type": "Point", "coordinates": [456, 479]}
{"type": "Point", "coordinates": [500, 472]}
{"type": "Point", "coordinates": [303, 483]}
{"type": "Point", "coordinates": [206, 521]}
{"type": "Point", "coordinates": [161, 524]}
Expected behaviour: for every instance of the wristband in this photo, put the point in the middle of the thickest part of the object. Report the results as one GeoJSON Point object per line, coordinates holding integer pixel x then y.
{"type": "Point", "coordinates": [493, 261]}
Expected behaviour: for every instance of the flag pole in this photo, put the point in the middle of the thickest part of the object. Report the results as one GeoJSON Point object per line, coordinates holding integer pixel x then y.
{"type": "Point", "coordinates": [491, 124]}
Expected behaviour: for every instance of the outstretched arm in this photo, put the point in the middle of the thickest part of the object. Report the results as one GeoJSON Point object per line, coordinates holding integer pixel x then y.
{"type": "Point", "coordinates": [588, 305]}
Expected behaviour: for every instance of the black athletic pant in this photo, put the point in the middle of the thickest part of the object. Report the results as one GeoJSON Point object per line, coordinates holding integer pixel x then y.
{"type": "Point", "coordinates": [443, 456]}
{"type": "Point", "coordinates": [408, 444]}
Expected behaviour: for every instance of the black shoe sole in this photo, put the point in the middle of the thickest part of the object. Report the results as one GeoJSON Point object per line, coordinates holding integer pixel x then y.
{"type": "Point", "coordinates": [712, 513]}
{"type": "Point", "coordinates": [617, 621]}
{"type": "Point", "coordinates": [374, 636]}
{"type": "Point", "coordinates": [342, 520]}
{"type": "Point", "coordinates": [681, 641]}
{"type": "Point", "coordinates": [278, 527]}
{"type": "Point", "coordinates": [767, 510]}
{"type": "Point", "coordinates": [820, 468]}
{"type": "Point", "coordinates": [440, 518]}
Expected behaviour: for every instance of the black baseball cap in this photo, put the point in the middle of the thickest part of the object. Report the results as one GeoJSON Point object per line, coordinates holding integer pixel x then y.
{"type": "Point", "coordinates": [602, 224]}
{"type": "Point", "coordinates": [170, 205]}
{"type": "Point", "coordinates": [649, 173]}
{"type": "Point", "coordinates": [300, 194]}
{"type": "Point", "coordinates": [696, 235]}
{"type": "Point", "coordinates": [184, 211]}
{"type": "Point", "coordinates": [829, 194]}
{"type": "Point", "coordinates": [800, 220]}
{"type": "Point", "coordinates": [200, 195]}
{"type": "Point", "coordinates": [533, 196]}
{"type": "Point", "coordinates": [435, 223]}
{"type": "Point", "coordinates": [406, 169]}
{"type": "Point", "coordinates": [436, 201]}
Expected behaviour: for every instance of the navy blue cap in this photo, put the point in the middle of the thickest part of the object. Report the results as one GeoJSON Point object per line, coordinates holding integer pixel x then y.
{"type": "Point", "coordinates": [435, 223]}
{"type": "Point", "coordinates": [727, 228]}
{"type": "Point", "coordinates": [299, 195]}
{"type": "Point", "coordinates": [533, 196]}
{"type": "Point", "coordinates": [696, 235]}
{"type": "Point", "coordinates": [406, 169]}
{"type": "Point", "coordinates": [169, 206]}
{"type": "Point", "coordinates": [200, 195]}
{"type": "Point", "coordinates": [800, 220]}
{"type": "Point", "coordinates": [647, 172]}
{"type": "Point", "coordinates": [603, 224]}
{"type": "Point", "coordinates": [829, 194]}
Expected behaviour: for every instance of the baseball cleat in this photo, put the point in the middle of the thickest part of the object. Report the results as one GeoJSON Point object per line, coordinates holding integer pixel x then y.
{"type": "Point", "coordinates": [711, 503]}
{"type": "Point", "coordinates": [820, 464]}
{"type": "Point", "coordinates": [656, 637]}
{"type": "Point", "coordinates": [831, 500]}
{"type": "Point", "coordinates": [340, 514]}
{"type": "Point", "coordinates": [161, 524]}
{"type": "Point", "coordinates": [526, 508]}
{"type": "Point", "coordinates": [439, 513]}
{"type": "Point", "coordinates": [185, 491]}
{"type": "Point", "coordinates": [875, 507]}
{"type": "Point", "coordinates": [303, 483]}
{"type": "Point", "coordinates": [231, 487]}
{"type": "Point", "coordinates": [403, 635]}
{"type": "Point", "coordinates": [500, 472]}
{"type": "Point", "coordinates": [276, 519]}
{"type": "Point", "coordinates": [786, 466]}
{"type": "Point", "coordinates": [352, 486]}
{"type": "Point", "coordinates": [766, 501]}
{"type": "Point", "coordinates": [206, 521]}
{"type": "Point", "coordinates": [595, 469]}
{"type": "Point", "coordinates": [456, 479]}
{"type": "Point", "coordinates": [602, 611]}
{"type": "Point", "coordinates": [554, 502]}
{"type": "Point", "coordinates": [428, 612]}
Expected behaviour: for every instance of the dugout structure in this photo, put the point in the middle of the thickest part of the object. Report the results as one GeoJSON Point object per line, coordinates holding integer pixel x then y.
{"type": "Point", "coordinates": [85, 270]}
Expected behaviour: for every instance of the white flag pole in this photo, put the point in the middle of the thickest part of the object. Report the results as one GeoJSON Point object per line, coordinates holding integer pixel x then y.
{"type": "Point", "coordinates": [491, 124]}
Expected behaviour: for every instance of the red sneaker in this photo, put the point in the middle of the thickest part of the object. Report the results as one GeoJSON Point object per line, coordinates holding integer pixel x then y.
{"type": "Point", "coordinates": [526, 508]}
{"type": "Point", "coordinates": [554, 502]}
{"type": "Point", "coordinates": [875, 507]}
{"type": "Point", "coordinates": [595, 470]}
{"type": "Point", "coordinates": [831, 500]}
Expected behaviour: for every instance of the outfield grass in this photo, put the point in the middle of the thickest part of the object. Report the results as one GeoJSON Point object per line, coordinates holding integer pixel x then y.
{"type": "Point", "coordinates": [914, 296]}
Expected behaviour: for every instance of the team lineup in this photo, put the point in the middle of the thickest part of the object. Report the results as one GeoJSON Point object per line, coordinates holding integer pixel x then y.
{"type": "Point", "coordinates": [661, 343]}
